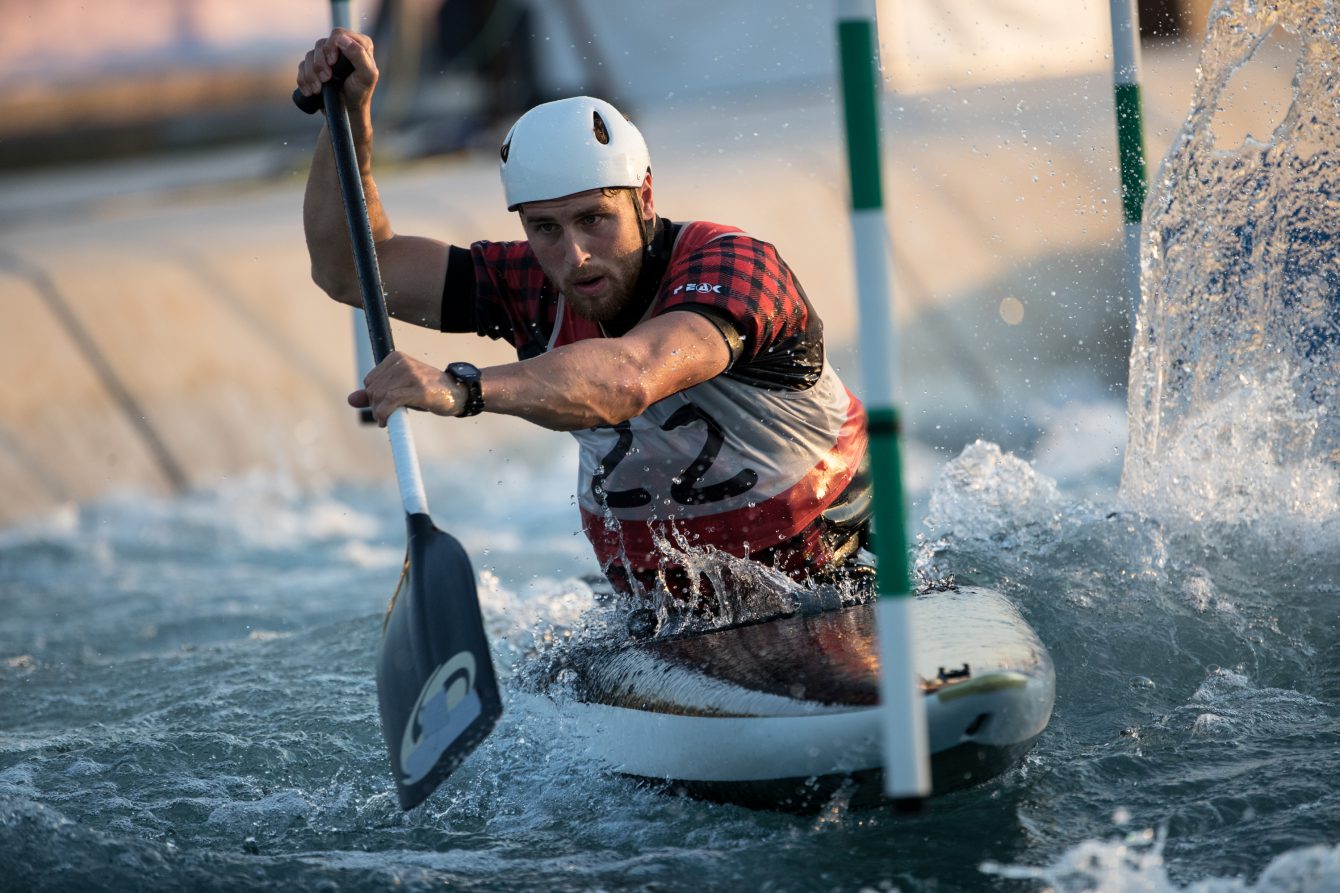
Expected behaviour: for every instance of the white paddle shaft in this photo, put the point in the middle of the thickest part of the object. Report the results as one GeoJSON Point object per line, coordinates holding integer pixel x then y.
{"type": "Point", "coordinates": [407, 474]}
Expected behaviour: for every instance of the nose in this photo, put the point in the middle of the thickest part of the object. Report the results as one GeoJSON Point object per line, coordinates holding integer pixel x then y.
{"type": "Point", "coordinates": [575, 253]}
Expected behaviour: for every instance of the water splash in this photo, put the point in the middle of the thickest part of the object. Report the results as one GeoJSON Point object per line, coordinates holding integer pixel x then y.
{"type": "Point", "coordinates": [1235, 369]}
{"type": "Point", "coordinates": [1136, 863]}
{"type": "Point", "coordinates": [984, 491]}
{"type": "Point", "coordinates": [737, 591]}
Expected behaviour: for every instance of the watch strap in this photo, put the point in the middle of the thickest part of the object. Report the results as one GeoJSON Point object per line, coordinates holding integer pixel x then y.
{"type": "Point", "coordinates": [468, 375]}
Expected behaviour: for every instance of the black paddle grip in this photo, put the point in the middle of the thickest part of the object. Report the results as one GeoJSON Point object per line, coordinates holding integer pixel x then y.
{"type": "Point", "coordinates": [313, 104]}
{"type": "Point", "coordinates": [356, 211]}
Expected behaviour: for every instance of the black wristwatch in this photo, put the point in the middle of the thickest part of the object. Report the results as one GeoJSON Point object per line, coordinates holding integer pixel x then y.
{"type": "Point", "coordinates": [468, 375]}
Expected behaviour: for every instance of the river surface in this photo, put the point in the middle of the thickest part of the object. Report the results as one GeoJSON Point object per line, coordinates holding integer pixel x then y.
{"type": "Point", "coordinates": [186, 689]}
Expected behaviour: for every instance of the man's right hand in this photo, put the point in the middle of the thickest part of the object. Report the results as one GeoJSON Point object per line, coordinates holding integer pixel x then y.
{"type": "Point", "coordinates": [413, 268]}
{"type": "Point", "coordinates": [316, 67]}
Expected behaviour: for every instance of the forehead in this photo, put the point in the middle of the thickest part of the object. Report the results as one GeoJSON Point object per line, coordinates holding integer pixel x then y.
{"type": "Point", "coordinates": [569, 206]}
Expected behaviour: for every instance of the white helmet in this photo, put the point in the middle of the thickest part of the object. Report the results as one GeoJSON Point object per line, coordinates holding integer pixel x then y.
{"type": "Point", "coordinates": [568, 146]}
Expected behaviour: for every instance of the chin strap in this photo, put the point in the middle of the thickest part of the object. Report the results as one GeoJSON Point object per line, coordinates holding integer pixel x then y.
{"type": "Point", "coordinates": [648, 226]}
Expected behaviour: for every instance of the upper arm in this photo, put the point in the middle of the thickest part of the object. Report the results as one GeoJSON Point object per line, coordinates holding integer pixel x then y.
{"type": "Point", "coordinates": [413, 270]}
{"type": "Point", "coordinates": [671, 352]}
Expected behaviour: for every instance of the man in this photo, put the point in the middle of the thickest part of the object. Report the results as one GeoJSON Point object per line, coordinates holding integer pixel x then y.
{"type": "Point", "coordinates": [685, 358]}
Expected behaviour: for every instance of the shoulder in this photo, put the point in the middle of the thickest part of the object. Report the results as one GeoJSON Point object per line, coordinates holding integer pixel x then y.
{"type": "Point", "coordinates": [492, 253]}
{"type": "Point", "coordinates": [512, 297]}
{"type": "Point", "coordinates": [701, 238]}
{"type": "Point", "coordinates": [699, 233]}
{"type": "Point", "coordinates": [714, 259]}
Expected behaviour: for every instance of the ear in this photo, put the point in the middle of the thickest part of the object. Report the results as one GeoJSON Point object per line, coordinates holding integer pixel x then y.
{"type": "Point", "coordinates": [644, 193]}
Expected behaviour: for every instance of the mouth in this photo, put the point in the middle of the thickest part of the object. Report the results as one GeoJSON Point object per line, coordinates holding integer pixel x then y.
{"type": "Point", "coordinates": [588, 286]}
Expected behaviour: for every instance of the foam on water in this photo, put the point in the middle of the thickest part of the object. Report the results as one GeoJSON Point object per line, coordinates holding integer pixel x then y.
{"type": "Point", "coordinates": [1207, 591]}
{"type": "Point", "coordinates": [1196, 684]}
{"type": "Point", "coordinates": [1135, 862]}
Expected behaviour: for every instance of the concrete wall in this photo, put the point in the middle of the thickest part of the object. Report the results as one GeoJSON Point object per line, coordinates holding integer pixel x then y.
{"type": "Point", "coordinates": [171, 344]}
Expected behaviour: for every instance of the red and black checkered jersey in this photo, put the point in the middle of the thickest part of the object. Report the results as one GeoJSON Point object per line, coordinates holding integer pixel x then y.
{"type": "Point", "coordinates": [499, 290]}
{"type": "Point", "coordinates": [746, 280]}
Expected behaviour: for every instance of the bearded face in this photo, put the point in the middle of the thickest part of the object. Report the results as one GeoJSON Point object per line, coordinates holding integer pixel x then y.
{"type": "Point", "coordinates": [590, 245]}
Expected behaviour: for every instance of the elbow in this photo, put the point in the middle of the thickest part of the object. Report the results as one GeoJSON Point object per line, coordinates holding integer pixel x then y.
{"type": "Point", "coordinates": [321, 279]}
{"type": "Point", "coordinates": [336, 287]}
{"type": "Point", "coordinates": [626, 397]}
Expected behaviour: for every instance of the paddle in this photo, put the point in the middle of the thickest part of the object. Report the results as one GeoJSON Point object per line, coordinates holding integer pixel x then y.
{"type": "Point", "coordinates": [341, 17]}
{"type": "Point", "coordinates": [435, 684]}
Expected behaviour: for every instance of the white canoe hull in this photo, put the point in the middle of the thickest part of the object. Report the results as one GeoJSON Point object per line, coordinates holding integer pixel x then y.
{"type": "Point", "coordinates": [783, 714]}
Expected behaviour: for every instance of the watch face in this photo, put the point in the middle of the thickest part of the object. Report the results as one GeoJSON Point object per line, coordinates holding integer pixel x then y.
{"type": "Point", "coordinates": [463, 371]}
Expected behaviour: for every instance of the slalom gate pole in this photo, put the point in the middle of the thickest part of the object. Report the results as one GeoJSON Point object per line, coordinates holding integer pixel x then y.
{"type": "Point", "coordinates": [342, 17]}
{"type": "Point", "coordinates": [903, 718]}
{"type": "Point", "coordinates": [1130, 138]}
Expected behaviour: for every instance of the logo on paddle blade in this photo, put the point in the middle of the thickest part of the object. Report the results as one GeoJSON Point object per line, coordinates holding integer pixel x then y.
{"type": "Point", "coordinates": [447, 704]}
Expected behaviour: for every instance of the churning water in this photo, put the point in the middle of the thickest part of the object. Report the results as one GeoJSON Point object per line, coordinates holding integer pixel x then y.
{"type": "Point", "coordinates": [186, 693]}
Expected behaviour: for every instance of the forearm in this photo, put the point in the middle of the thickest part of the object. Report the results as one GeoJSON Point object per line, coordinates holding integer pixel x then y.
{"type": "Point", "coordinates": [598, 381]}
{"type": "Point", "coordinates": [324, 221]}
{"type": "Point", "coordinates": [557, 390]}
{"type": "Point", "coordinates": [580, 386]}
{"type": "Point", "coordinates": [605, 381]}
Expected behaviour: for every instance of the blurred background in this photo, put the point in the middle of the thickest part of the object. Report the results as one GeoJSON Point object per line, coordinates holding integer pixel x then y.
{"type": "Point", "coordinates": [161, 331]}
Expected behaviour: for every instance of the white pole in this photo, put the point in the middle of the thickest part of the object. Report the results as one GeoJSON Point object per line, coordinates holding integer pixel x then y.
{"type": "Point", "coordinates": [1130, 139]}
{"type": "Point", "coordinates": [907, 777]}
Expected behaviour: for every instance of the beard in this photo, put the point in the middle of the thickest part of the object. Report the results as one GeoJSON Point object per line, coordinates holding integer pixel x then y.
{"type": "Point", "coordinates": [620, 275]}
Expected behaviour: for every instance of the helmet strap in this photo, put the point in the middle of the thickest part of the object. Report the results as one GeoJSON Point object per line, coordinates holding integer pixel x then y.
{"type": "Point", "coordinates": [648, 227]}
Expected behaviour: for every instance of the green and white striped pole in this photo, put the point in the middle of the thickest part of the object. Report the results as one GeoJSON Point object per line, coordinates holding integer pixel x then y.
{"type": "Point", "coordinates": [1130, 138]}
{"type": "Point", "coordinates": [903, 721]}
{"type": "Point", "coordinates": [341, 16]}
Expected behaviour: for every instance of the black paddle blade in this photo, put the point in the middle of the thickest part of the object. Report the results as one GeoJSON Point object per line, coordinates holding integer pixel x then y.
{"type": "Point", "coordinates": [435, 683]}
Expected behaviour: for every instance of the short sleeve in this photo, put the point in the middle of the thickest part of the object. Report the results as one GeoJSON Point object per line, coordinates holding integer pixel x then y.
{"type": "Point", "coordinates": [458, 292]}
{"type": "Point", "coordinates": [509, 288]}
{"type": "Point", "coordinates": [745, 281]}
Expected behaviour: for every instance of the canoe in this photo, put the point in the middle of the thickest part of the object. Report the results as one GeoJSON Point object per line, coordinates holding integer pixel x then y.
{"type": "Point", "coordinates": [783, 714]}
